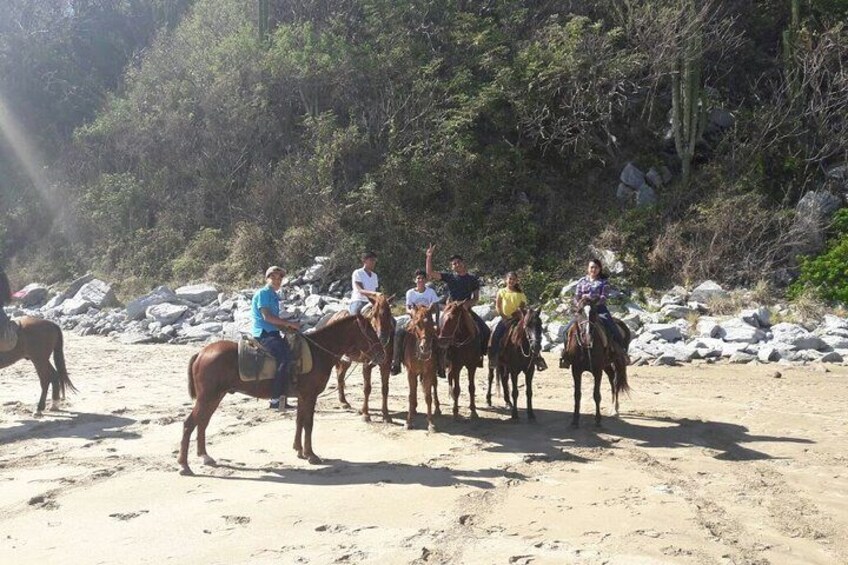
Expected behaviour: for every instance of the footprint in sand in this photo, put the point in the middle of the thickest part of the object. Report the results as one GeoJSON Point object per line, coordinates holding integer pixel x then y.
{"type": "Point", "coordinates": [236, 520]}
{"type": "Point", "coordinates": [126, 516]}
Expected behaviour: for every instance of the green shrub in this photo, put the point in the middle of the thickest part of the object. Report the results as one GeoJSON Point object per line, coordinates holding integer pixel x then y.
{"type": "Point", "coordinates": [826, 274]}
{"type": "Point", "coordinates": [207, 248]}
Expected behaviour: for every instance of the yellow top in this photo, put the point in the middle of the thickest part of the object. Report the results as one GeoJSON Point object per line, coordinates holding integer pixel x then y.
{"type": "Point", "coordinates": [511, 301]}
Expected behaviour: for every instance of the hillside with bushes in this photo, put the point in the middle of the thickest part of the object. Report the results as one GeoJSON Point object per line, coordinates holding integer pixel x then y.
{"type": "Point", "coordinates": [158, 141]}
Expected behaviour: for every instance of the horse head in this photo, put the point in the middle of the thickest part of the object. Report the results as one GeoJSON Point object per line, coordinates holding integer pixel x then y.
{"type": "Point", "coordinates": [526, 329]}
{"type": "Point", "coordinates": [451, 323]}
{"type": "Point", "coordinates": [367, 341]}
{"type": "Point", "coordinates": [585, 318]}
{"type": "Point", "coordinates": [381, 317]}
{"type": "Point", "coordinates": [421, 326]}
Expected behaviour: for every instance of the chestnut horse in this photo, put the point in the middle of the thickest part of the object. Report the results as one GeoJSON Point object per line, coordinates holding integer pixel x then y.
{"type": "Point", "coordinates": [458, 339]}
{"type": "Point", "coordinates": [37, 340]}
{"type": "Point", "coordinates": [585, 347]}
{"type": "Point", "coordinates": [420, 362]}
{"type": "Point", "coordinates": [213, 372]}
{"type": "Point", "coordinates": [518, 355]}
{"type": "Point", "coordinates": [383, 323]}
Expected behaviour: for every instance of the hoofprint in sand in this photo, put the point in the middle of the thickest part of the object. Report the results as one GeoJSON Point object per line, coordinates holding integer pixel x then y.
{"type": "Point", "coordinates": [708, 464]}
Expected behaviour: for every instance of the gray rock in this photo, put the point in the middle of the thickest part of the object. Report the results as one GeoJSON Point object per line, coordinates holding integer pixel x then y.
{"type": "Point", "coordinates": [646, 196]}
{"type": "Point", "coordinates": [136, 338]}
{"type": "Point", "coordinates": [166, 314]}
{"type": "Point", "coordinates": [759, 317]}
{"type": "Point", "coordinates": [77, 284]}
{"type": "Point", "coordinates": [314, 273]}
{"type": "Point", "coordinates": [556, 332]}
{"type": "Point", "coordinates": [673, 299]}
{"type": "Point", "coordinates": [632, 176]}
{"type": "Point", "coordinates": [666, 360]}
{"type": "Point", "coordinates": [709, 327]}
{"type": "Point", "coordinates": [742, 357]}
{"type": "Point", "coordinates": [202, 294]}
{"type": "Point", "coordinates": [666, 174]}
{"type": "Point", "coordinates": [812, 216]}
{"type": "Point", "coordinates": [485, 311]}
{"type": "Point", "coordinates": [32, 295]}
{"type": "Point", "coordinates": [314, 301]}
{"type": "Point", "coordinates": [654, 178]}
{"type": "Point", "coordinates": [567, 291]}
{"type": "Point", "coordinates": [625, 194]}
{"type": "Point", "coordinates": [675, 312]}
{"type": "Point", "coordinates": [202, 332]}
{"type": "Point", "coordinates": [74, 306]}
{"type": "Point", "coordinates": [667, 332]}
{"type": "Point", "coordinates": [137, 308]}
{"type": "Point", "coordinates": [767, 354]}
{"type": "Point", "coordinates": [707, 290]}
{"type": "Point", "coordinates": [98, 293]}
{"type": "Point", "coordinates": [835, 341]}
{"type": "Point", "coordinates": [831, 357]}
{"type": "Point", "coordinates": [796, 337]}
{"type": "Point", "coordinates": [737, 331]}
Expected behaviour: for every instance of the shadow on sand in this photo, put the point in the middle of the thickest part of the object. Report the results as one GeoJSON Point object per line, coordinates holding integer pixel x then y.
{"type": "Point", "coordinates": [63, 424]}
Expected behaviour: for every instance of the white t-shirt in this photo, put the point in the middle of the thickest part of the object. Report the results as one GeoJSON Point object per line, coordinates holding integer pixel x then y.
{"type": "Point", "coordinates": [426, 298]}
{"type": "Point", "coordinates": [369, 283]}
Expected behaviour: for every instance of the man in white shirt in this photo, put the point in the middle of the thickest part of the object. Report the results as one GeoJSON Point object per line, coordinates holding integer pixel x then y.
{"type": "Point", "coordinates": [421, 295]}
{"type": "Point", "coordinates": [364, 282]}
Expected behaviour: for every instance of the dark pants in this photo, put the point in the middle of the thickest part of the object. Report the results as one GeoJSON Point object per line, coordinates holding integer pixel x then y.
{"type": "Point", "coordinates": [400, 336]}
{"type": "Point", "coordinates": [279, 348]}
{"type": "Point", "coordinates": [483, 330]}
{"type": "Point", "coordinates": [612, 328]}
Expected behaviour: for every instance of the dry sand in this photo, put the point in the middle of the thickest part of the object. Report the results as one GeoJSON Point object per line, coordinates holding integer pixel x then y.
{"type": "Point", "coordinates": [707, 464]}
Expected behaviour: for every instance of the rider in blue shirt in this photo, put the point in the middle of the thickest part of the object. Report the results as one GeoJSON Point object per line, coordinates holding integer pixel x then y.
{"type": "Point", "coordinates": [267, 323]}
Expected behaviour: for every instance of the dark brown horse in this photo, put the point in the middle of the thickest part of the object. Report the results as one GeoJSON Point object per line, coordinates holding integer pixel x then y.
{"type": "Point", "coordinates": [213, 372]}
{"type": "Point", "coordinates": [458, 338]}
{"type": "Point", "coordinates": [37, 340]}
{"type": "Point", "coordinates": [588, 350]}
{"type": "Point", "coordinates": [518, 355]}
{"type": "Point", "coordinates": [420, 361]}
{"type": "Point", "coordinates": [383, 323]}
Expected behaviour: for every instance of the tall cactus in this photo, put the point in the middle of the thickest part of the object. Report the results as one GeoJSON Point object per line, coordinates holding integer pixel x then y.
{"type": "Point", "coordinates": [264, 19]}
{"type": "Point", "coordinates": [688, 104]}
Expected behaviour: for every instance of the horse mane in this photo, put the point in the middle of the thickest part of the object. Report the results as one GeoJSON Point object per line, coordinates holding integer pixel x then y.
{"type": "Point", "coordinates": [5, 289]}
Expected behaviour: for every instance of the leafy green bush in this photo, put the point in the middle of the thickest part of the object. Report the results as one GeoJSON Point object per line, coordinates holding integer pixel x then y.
{"type": "Point", "coordinates": [207, 248]}
{"type": "Point", "coordinates": [826, 275]}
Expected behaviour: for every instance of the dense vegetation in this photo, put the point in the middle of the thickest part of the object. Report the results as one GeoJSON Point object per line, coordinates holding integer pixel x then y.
{"type": "Point", "coordinates": [157, 140]}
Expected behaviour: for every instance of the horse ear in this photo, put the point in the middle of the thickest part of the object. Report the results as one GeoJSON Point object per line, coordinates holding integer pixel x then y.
{"type": "Point", "coordinates": [371, 299]}
{"type": "Point", "coordinates": [389, 299]}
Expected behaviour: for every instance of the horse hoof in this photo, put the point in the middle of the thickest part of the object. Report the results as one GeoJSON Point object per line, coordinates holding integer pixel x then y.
{"type": "Point", "coordinates": [38, 414]}
{"type": "Point", "coordinates": [409, 425]}
{"type": "Point", "coordinates": [55, 407]}
{"type": "Point", "coordinates": [488, 401]}
{"type": "Point", "coordinates": [300, 455]}
{"type": "Point", "coordinates": [437, 412]}
{"type": "Point", "coordinates": [431, 428]}
{"type": "Point", "coordinates": [209, 462]}
{"type": "Point", "coordinates": [474, 415]}
{"type": "Point", "coordinates": [314, 460]}
{"type": "Point", "coordinates": [387, 419]}
{"type": "Point", "coordinates": [186, 471]}
{"type": "Point", "coordinates": [345, 405]}
{"type": "Point", "coordinates": [366, 417]}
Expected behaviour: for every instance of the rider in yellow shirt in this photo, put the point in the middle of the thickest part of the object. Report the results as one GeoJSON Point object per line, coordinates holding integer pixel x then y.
{"type": "Point", "coordinates": [509, 302]}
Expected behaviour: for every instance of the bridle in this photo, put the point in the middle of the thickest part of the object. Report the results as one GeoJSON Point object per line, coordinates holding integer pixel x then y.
{"type": "Point", "coordinates": [451, 339]}
{"type": "Point", "coordinates": [372, 345]}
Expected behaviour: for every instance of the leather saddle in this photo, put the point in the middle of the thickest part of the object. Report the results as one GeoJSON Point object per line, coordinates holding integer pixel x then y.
{"type": "Point", "coordinates": [255, 363]}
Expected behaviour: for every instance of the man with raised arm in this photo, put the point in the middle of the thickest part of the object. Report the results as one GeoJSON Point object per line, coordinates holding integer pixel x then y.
{"type": "Point", "coordinates": [462, 285]}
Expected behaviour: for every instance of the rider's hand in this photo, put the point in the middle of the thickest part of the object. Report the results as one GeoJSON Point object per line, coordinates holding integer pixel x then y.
{"type": "Point", "coordinates": [430, 249]}
{"type": "Point", "coordinates": [294, 326]}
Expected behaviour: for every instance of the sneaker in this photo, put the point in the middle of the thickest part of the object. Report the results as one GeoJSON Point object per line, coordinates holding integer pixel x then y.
{"type": "Point", "coordinates": [274, 404]}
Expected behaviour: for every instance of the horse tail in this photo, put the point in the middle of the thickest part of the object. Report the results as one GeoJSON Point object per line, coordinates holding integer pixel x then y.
{"type": "Point", "coordinates": [61, 369]}
{"type": "Point", "coordinates": [621, 384]}
{"type": "Point", "coordinates": [191, 391]}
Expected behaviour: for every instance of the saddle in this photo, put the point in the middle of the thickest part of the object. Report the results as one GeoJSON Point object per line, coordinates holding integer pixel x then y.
{"type": "Point", "coordinates": [255, 363]}
{"type": "Point", "coordinates": [8, 336]}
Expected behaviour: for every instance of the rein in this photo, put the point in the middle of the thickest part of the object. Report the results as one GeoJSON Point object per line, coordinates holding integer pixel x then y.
{"type": "Point", "coordinates": [452, 337]}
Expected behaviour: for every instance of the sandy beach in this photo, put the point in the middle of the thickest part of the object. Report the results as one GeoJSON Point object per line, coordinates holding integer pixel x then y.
{"type": "Point", "coordinates": [707, 464]}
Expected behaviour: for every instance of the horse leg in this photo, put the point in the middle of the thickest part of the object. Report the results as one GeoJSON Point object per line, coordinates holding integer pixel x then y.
{"type": "Point", "coordinates": [528, 382]}
{"type": "Point", "coordinates": [503, 378]}
{"type": "Point", "coordinates": [45, 374]}
{"type": "Point", "coordinates": [513, 377]}
{"type": "Point", "coordinates": [437, 411]}
{"type": "Point", "coordinates": [610, 371]}
{"type": "Point", "coordinates": [428, 383]}
{"type": "Point", "coordinates": [471, 391]}
{"type": "Point", "coordinates": [341, 373]}
{"type": "Point", "coordinates": [412, 377]}
{"type": "Point", "coordinates": [366, 392]}
{"type": "Point", "coordinates": [384, 382]}
{"type": "Point", "coordinates": [577, 376]}
{"type": "Point", "coordinates": [298, 430]}
{"type": "Point", "coordinates": [453, 382]}
{"type": "Point", "coordinates": [489, 390]}
{"type": "Point", "coordinates": [596, 394]}
{"type": "Point", "coordinates": [308, 419]}
{"type": "Point", "coordinates": [57, 389]}
{"type": "Point", "coordinates": [188, 427]}
{"type": "Point", "coordinates": [202, 419]}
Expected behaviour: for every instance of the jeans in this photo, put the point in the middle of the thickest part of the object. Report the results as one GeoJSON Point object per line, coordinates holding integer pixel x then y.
{"type": "Point", "coordinates": [356, 307]}
{"type": "Point", "coordinates": [279, 348]}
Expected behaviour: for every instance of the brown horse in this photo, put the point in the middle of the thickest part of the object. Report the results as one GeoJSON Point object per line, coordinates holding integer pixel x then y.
{"type": "Point", "coordinates": [518, 355]}
{"type": "Point", "coordinates": [587, 349]}
{"type": "Point", "coordinates": [459, 341]}
{"type": "Point", "coordinates": [213, 372]}
{"type": "Point", "coordinates": [420, 362]}
{"type": "Point", "coordinates": [37, 340]}
{"type": "Point", "coordinates": [384, 324]}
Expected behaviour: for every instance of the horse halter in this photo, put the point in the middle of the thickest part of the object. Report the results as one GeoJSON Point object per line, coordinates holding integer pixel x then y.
{"type": "Point", "coordinates": [372, 345]}
{"type": "Point", "coordinates": [584, 327]}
